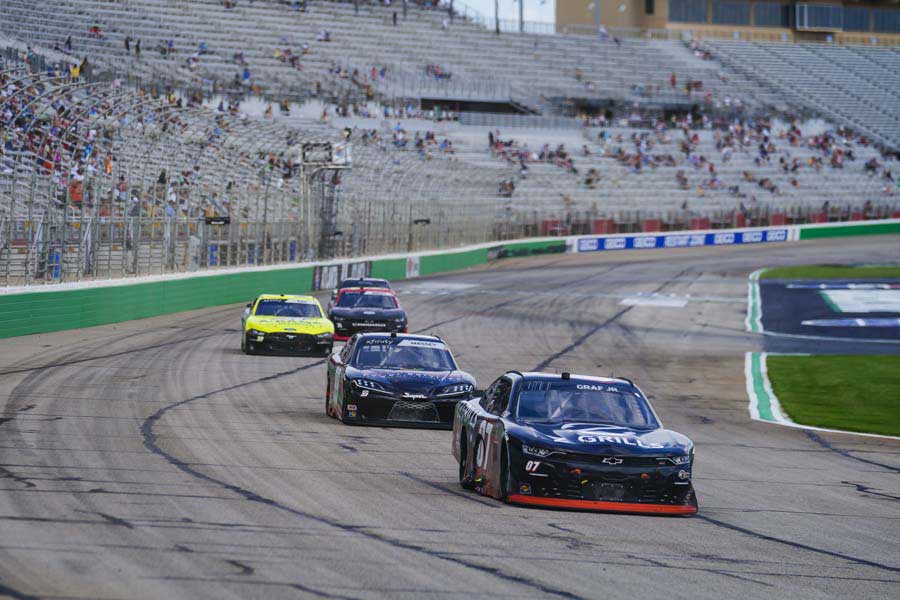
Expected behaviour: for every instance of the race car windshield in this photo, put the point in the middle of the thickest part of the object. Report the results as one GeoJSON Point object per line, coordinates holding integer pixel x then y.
{"type": "Point", "coordinates": [592, 402]}
{"type": "Point", "coordinates": [287, 308]}
{"type": "Point", "coordinates": [363, 300]}
{"type": "Point", "coordinates": [412, 355]}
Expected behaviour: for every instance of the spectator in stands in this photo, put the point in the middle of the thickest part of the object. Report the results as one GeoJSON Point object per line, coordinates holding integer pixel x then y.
{"type": "Point", "coordinates": [137, 50]}
{"type": "Point", "coordinates": [394, 18]}
{"type": "Point", "coordinates": [128, 44]}
{"type": "Point", "coordinates": [324, 36]}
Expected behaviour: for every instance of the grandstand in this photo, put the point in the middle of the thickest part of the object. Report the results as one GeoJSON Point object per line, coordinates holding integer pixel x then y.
{"type": "Point", "coordinates": [615, 133]}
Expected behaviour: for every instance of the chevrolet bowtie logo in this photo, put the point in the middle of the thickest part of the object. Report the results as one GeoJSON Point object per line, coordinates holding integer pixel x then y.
{"type": "Point", "coordinates": [612, 460]}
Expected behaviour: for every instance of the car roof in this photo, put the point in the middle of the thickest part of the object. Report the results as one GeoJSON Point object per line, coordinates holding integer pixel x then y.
{"type": "Point", "coordinates": [366, 290]}
{"type": "Point", "coordinates": [305, 298]}
{"type": "Point", "coordinates": [540, 376]}
{"type": "Point", "coordinates": [351, 279]}
{"type": "Point", "coordinates": [401, 336]}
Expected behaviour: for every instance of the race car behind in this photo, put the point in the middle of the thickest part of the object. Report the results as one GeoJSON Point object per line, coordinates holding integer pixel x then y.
{"type": "Point", "coordinates": [360, 310]}
{"type": "Point", "coordinates": [280, 323]}
{"type": "Point", "coordinates": [397, 380]}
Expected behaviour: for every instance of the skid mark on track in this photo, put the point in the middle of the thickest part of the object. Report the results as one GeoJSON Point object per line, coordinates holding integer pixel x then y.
{"type": "Point", "coordinates": [471, 496]}
{"type": "Point", "coordinates": [243, 569]}
{"type": "Point", "coordinates": [599, 326]}
{"type": "Point", "coordinates": [846, 453]}
{"type": "Point", "coordinates": [797, 545]}
{"type": "Point", "coordinates": [864, 489]}
{"type": "Point", "coordinates": [13, 593]}
{"type": "Point", "coordinates": [151, 443]}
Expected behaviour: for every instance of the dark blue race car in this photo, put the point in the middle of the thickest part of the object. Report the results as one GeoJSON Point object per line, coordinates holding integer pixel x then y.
{"type": "Point", "coordinates": [572, 441]}
{"type": "Point", "coordinates": [397, 380]}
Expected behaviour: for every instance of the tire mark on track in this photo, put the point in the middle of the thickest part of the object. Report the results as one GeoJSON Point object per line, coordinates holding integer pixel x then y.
{"type": "Point", "coordinates": [151, 443]}
{"type": "Point", "coordinates": [14, 593]}
{"type": "Point", "coordinates": [797, 545]}
{"type": "Point", "coordinates": [599, 326]}
{"type": "Point", "coordinates": [846, 453]}
{"type": "Point", "coordinates": [76, 361]}
{"type": "Point", "coordinates": [443, 488]}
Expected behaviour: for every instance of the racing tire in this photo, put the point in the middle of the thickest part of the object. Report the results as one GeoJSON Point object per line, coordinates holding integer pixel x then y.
{"type": "Point", "coordinates": [251, 349]}
{"type": "Point", "coordinates": [464, 481]}
{"type": "Point", "coordinates": [505, 481]}
{"type": "Point", "coordinates": [328, 410]}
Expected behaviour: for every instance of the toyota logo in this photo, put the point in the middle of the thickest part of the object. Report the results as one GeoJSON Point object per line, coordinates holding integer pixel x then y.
{"type": "Point", "coordinates": [612, 460]}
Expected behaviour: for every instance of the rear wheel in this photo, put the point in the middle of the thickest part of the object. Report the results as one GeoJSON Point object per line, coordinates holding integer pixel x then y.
{"type": "Point", "coordinates": [464, 480]}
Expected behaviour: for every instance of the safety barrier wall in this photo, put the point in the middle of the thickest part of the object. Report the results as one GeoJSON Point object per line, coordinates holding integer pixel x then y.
{"type": "Point", "coordinates": [84, 304]}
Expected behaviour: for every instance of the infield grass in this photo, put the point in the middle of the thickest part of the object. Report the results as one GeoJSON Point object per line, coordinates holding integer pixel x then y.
{"type": "Point", "coordinates": [854, 393]}
{"type": "Point", "coordinates": [833, 272]}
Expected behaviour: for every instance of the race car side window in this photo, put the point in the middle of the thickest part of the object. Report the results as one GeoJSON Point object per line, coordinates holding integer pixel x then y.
{"type": "Point", "coordinates": [347, 352]}
{"type": "Point", "coordinates": [503, 393]}
{"type": "Point", "coordinates": [496, 398]}
{"type": "Point", "coordinates": [485, 401]}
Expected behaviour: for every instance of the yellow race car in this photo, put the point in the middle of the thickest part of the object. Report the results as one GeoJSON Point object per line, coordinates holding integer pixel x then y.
{"type": "Point", "coordinates": [282, 324]}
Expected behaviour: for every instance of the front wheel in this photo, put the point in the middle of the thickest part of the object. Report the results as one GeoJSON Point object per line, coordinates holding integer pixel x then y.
{"type": "Point", "coordinates": [505, 477]}
{"type": "Point", "coordinates": [465, 481]}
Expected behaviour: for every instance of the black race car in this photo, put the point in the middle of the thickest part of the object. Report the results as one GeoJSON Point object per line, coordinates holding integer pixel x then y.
{"type": "Point", "coordinates": [397, 380]}
{"type": "Point", "coordinates": [357, 310]}
{"type": "Point", "coordinates": [572, 441]}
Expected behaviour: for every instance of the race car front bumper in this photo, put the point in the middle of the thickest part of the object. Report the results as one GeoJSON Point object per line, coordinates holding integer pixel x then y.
{"type": "Point", "coordinates": [626, 507]}
{"type": "Point", "coordinates": [393, 411]}
{"type": "Point", "coordinates": [629, 484]}
{"type": "Point", "coordinates": [289, 343]}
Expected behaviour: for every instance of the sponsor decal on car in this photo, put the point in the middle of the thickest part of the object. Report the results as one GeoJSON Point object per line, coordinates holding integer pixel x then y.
{"type": "Point", "coordinates": [423, 344]}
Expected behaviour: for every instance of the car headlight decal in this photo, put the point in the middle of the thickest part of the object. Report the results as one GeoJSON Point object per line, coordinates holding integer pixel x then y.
{"type": "Point", "coordinates": [456, 389]}
{"type": "Point", "coordinates": [368, 384]}
{"type": "Point", "coordinates": [536, 450]}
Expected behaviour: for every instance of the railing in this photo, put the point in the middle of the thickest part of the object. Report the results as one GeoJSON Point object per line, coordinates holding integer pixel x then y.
{"type": "Point", "coordinates": [47, 251]}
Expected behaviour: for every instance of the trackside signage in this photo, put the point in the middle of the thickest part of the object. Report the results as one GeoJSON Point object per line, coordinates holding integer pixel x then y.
{"type": "Point", "coordinates": [645, 241]}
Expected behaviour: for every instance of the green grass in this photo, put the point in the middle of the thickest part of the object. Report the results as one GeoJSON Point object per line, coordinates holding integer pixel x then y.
{"type": "Point", "coordinates": [833, 272]}
{"type": "Point", "coordinates": [855, 393]}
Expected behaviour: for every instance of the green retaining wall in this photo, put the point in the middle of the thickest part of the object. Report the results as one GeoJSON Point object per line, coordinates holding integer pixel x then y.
{"type": "Point", "coordinates": [438, 263]}
{"type": "Point", "coordinates": [389, 268]}
{"type": "Point", "coordinates": [812, 233]}
{"type": "Point", "coordinates": [41, 312]}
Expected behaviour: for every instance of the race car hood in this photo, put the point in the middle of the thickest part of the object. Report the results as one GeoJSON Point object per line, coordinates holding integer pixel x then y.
{"type": "Point", "coordinates": [592, 438]}
{"type": "Point", "coordinates": [313, 326]}
{"type": "Point", "coordinates": [419, 382]}
{"type": "Point", "coordinates": [367, 313]}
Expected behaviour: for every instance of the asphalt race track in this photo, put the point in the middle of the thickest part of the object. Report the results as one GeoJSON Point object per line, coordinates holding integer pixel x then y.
{"type": "Point", "coordinates": [152, 459]}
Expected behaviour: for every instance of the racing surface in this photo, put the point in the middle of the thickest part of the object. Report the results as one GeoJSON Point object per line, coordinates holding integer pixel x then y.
{"type": "Point", "coordinates": [151, 459]}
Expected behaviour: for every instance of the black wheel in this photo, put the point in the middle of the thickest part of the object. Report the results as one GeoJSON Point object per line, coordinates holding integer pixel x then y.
{"type": "Point", "coordinates": [464, 481]}
{"type": "Point", "coordinates": [327, 352]}
{"type": "Point", "coordinates": [328, 398]}
{"type": "Point", "coordinates": [505, 477]}
{"type": "Point", "coordinates": [251, 348]}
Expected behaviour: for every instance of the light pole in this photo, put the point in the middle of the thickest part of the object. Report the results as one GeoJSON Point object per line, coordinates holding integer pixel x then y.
{"type": "Point", "coordinates": [497, 17]}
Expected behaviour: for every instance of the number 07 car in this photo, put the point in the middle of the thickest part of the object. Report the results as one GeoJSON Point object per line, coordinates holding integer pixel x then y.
{"type": "Point", "coordinates": [571, 441]}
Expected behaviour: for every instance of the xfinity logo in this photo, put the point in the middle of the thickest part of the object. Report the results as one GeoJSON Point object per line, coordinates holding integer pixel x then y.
{"type": "Point", "coordinates": [612, 460]}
